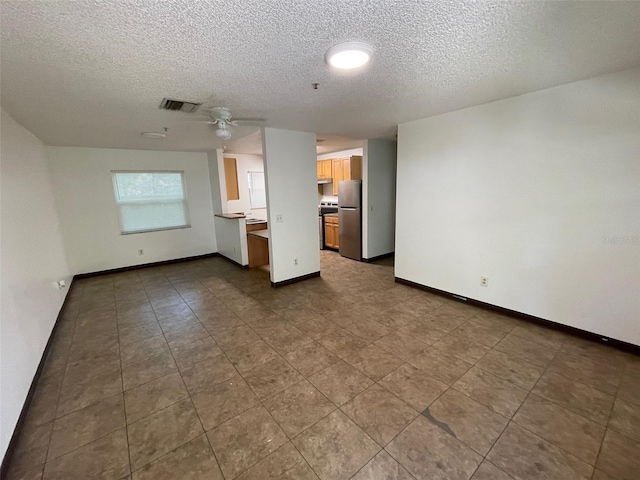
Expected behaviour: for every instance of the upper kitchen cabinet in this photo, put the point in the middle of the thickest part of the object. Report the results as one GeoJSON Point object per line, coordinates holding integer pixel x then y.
{"type": "Point", "coordinates": [231, 178]}
{"type": "Point", "coordinates": [346, 169]}
{"type": "Point", "coordinates": [324, 170]}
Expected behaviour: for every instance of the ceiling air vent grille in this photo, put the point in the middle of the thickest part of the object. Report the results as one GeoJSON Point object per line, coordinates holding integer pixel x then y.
{"type": "Point", "coordinates": [187, 107]}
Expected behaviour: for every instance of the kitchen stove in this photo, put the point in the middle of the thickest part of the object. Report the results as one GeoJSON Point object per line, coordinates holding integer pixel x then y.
{"type": "Point", "coordinates": [327, 207]}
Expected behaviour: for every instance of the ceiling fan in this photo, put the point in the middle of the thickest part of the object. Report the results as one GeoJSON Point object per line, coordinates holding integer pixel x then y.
{"type": "Point", "coordinates": [222, 118]}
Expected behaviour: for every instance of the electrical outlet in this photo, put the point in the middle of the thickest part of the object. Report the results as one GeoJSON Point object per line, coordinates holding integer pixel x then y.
{"type": "Point", "coordinates": [141, 252]}
{"type": "Point", "coordinates": [279, 217]}
{"type": "Point", "coordinates": [295, 262]}
{"type": "Point", "coordinates": [484, 281]}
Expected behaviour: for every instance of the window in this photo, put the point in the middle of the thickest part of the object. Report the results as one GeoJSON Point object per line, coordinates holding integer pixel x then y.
{"type": "Point", "coordinates": [150, 201]}
{"type": "Point", "coordinates": [257, 194]}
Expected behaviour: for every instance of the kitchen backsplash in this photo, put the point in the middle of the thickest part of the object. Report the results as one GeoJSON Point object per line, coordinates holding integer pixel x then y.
{"type": "Point", "coordinates": [327, 193]}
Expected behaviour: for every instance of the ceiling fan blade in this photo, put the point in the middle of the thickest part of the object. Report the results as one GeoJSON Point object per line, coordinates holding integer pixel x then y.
{"type": "Point", "coordinates": [210, 122]}
{"type": "Point", "coordinates": [246, 120]}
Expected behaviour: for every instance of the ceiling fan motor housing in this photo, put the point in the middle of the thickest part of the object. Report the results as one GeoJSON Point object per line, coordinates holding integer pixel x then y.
{"type": "Point", "coordinates": [221, 113]}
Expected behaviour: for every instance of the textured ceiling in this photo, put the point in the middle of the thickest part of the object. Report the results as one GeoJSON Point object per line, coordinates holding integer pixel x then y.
{"type": "Point", "coordinates": [252, 144]}
{"type": "Point", "coordinates": [92, 73]}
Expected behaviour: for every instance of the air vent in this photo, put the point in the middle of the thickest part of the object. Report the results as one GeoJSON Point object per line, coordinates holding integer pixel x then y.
{"type": "Point", "coordinates": [182, 106]}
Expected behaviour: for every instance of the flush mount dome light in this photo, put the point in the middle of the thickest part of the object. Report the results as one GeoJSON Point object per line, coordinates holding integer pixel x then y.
{"type": "Point", "coordinates": [154, 135]}
{"type": "Point", "coordinates": [349, 55]}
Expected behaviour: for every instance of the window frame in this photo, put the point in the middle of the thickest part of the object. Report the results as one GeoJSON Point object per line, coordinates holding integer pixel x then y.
{"type": "Point", "coordinates": [185, 201]}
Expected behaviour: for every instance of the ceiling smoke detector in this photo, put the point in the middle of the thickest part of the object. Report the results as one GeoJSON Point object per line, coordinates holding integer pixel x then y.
{"type": "Point", "coordinates": [349, 55]}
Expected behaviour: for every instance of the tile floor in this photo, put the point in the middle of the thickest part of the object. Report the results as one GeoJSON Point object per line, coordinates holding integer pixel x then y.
{"type": "Point", "coordinates": [201, 370]}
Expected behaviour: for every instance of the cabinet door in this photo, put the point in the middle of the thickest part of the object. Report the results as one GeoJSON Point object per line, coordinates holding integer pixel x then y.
{"type": "Point", "coordinates": [231, 178]}
{"type": "Point", "coordinates": [336, 236]}
{"type": "Point", "coordinates": [356, 167]}
{"type": "Point", "coordinates": [327, 169]}
{"type": "Point", "coordinates": [328, 235]}
{"type": "Point", "coordinates": [346, 169]}
{"type": "Point", "coordinates": [324, 169]}
{"type": "Point", "coordinates": [338, 175]}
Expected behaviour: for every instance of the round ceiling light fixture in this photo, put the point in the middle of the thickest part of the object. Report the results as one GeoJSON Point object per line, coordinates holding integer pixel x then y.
{"type": "Point", "coordinates": [154, 135]}
{"type": "Point", "coordinates": [349, 55]}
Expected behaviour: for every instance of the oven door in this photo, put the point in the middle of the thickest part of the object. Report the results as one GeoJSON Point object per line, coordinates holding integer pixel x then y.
{"type": "Point", "coordinates": [321, 230]}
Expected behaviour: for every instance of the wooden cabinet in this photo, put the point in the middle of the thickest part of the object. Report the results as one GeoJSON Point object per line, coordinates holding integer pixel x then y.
{"type": "Point", "coordinates": [252, 227]}
{"type": "Point", "coordinates": [231, 178]}
{"type": "Point", "coordinates": [324, 169]}
{"type": "Point", "coordinates": [338, 173]}
{"type": "Point", "coordinates": [355, 165]}
{"type": "Point", "coordinates": [339, 169]}
{"type": "Point", "coordinates": [258, 248]}
{"type": "Point", "coordinates": [346, 169]}
{"type": "Point", "coordinates": [331, 235]}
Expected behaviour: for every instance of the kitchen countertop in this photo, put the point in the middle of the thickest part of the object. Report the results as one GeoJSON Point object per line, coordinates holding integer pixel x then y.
{"type": "Point", "coordinates": [237, 216]}
{"type": "Point", "coordinates": [260, 233]}
{"type": "Point", "coordinates": [331, 215]}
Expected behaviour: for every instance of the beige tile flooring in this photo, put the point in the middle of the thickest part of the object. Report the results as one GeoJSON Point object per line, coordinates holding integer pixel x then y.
{"type": "Point", "coordinates": [201, 370]}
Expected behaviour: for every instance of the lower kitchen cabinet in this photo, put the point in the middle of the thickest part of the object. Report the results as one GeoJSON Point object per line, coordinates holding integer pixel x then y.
{"type": "Point", "coordinates": [258, 248]}
{"type": "Point", "coordinates": [252, 227]}
{"type": "Point", "coordinates": [331, 235]}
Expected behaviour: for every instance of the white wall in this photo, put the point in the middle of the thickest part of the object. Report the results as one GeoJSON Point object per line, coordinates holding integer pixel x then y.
{"type": "Point", "coordinates": [231, 234]}
{"type": "Point", "coordinates": [246, 164]}
{"type": "Point", "coordinates": [378, 197]}
{"type": "Point", "coordinates": [32, 258]}
{"type": "Point", "coordinates": [217, 188]}
{"type": "Point", "coordinates": [529, 191]}
{"type": "Point", "coordinates": [231, 237]}
{"type": "Point", "coordinates": [84, 194]}
{"type": "Point", "coordinates": [291, 178]}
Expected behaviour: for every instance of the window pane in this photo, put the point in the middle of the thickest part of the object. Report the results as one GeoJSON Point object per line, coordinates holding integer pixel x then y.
{"type": "Point", "coordinates": [152, 216]}
{"type": "Point", "coordinates": [150, 200]}
{"type": "Point", "coordinates": [147, 186]}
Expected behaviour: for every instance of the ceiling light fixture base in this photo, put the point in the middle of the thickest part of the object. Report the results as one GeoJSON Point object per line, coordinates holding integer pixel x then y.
{"type": "Point", "coordinates": [153, 135]}
{"type": "Point", "coordinates": [349, 55]}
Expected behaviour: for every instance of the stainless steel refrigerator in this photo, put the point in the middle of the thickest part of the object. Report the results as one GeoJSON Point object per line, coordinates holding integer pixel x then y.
{"type": "Point", "coordinates": [350, 218]}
